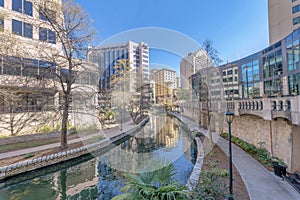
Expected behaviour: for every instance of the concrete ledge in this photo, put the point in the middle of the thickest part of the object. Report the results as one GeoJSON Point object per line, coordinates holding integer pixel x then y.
{"type": "Point", "coordinates": [43, 161]}
{"type": "Point", "coordinates": [195, 175]}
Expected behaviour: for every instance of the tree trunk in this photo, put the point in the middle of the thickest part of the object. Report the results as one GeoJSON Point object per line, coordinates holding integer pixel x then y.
{"type": "Point", "coordinates": [63, 138]}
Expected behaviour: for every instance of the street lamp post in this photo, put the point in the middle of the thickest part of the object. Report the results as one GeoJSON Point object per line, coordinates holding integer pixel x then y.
{"type": "Point", "coordinates": [229, 119]}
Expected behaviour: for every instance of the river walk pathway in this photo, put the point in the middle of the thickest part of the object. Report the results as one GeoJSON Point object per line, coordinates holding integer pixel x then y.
{"type": "Point", "coordinates": [260, 183]}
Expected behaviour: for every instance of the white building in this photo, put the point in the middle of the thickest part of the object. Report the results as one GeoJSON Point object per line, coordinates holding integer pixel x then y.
{"type": "Point", "coordinates": [107, 57]}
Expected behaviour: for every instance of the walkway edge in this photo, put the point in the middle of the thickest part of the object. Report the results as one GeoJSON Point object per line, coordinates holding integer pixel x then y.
{"type": "Point", "coordinates": [44, 161]}
{"type": "Point", "coordinates": [260, 183]}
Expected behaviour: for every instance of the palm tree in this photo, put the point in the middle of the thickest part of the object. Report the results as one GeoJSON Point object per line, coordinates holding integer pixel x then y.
{"type": "Point", "coordinates": [155, 185]}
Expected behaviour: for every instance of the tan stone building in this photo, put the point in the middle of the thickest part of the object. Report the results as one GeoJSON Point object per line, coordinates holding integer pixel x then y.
{"type": "Point", "coordinates": [165, 84]}
{"type": "Point", "coordinates": [30, 91]}
{"type": "Point", "coordinates": [284, 18]}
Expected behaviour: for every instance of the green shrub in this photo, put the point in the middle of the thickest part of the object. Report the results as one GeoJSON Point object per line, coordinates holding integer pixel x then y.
{"type": "Point", "coordinates": [44, 129]}
{"type": "Point", "coordinates": [262, 155]}
{"type": "Point", "coordinates": [212, 185]}
{"type": "Point", "coordinates": [73, 130]}
{"type": "Point", "coordinates": [29, 155]}
{"type": "Point", "coordinates": [96, 138]}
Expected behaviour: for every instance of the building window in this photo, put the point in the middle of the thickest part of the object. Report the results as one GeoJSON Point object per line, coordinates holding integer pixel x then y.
{"type": "Point", "coordinates": [30, 67]}
{"type": "Point", "coordinates": [293, 55]}
{"type": "Point", "coordinates": [12, 65]}
{"type": "Point", "coordinates": [296, 20]}
{"type": "Point", "coordinates": [22, 6]}
{"type": "Point", "coordinates": [272, 64]}
{"type": "Point", "coordinates": [229, 72]}
{"type": "Point", "coordinates": [2, 3]}
{"type": "Point", "coordinates": [296, 8]}
{"type": "Point", "coordinates": [1, 24]}
{"type": "Point", "coordinates": [47, 35]}
{"type": "Point", "coordinates": [27, 30]}
{"type": "Point", "coordinates": [21, 28]}
{"type": "Point", "coordinates": [294, 84]}
{"type": "Point", "coordinates": [47, 15]}
{"type": "Point", "coordinates": [17, 27]}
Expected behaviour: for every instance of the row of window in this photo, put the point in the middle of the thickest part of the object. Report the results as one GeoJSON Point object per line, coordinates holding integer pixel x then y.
{"type": "Point", "coordinates": [230, 72]}
{"type": "Point", "coordinates": [25, 30]}
{"type": "Point", "coordinates": [25, 7]}
{"type": "Point", "coordinates": [38, 68]}
{"type": "Point", "coordinates": [26, 67]}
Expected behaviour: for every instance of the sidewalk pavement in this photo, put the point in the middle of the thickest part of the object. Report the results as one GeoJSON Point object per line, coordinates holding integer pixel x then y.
{"type": "Point", "coordinates": [108, 133]}
{"type": "Point", "coordinates": [260, 183]}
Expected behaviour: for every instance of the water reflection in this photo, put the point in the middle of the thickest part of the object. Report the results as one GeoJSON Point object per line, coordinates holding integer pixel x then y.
{"type": "Point", "coordinates": [101, 178]}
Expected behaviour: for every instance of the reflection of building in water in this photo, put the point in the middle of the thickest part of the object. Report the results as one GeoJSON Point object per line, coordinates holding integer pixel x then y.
{"type": "Point", "coordinates": [109, 182]}
{"type": "Point", "coordinates": [166, 133]}
{"type": "Point", "coordinates": [80, 181]}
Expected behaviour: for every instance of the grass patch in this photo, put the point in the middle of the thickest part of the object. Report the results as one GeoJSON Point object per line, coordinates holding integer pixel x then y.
{"type": "Point", "coordinates": [29, 155]}
{"type": "Point", "coordinates": [24, 145]}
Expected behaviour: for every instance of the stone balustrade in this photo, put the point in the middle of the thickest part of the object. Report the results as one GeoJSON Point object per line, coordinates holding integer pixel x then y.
{"type": "Point", "coordinates": [268, 108]}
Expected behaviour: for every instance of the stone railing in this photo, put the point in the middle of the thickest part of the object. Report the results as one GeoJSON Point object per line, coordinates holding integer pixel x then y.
{"type": "Point", "coordinates": [268, 108]}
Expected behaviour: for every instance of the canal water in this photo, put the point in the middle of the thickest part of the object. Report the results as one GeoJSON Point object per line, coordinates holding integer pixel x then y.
{"type": "Point", "coordinates": [100, 176]}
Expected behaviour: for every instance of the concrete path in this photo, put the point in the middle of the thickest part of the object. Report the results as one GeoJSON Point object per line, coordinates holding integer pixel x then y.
{"type": "Point", "coordinates": [260, 183]}
{"type": "Point", "coordinates": [108, 133]}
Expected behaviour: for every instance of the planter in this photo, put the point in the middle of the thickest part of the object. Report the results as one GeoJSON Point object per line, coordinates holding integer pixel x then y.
{"type": "Point", "coordinates": [279, 169]}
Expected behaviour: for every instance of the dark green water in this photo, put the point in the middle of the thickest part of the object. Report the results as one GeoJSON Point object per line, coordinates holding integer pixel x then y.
{"type": "Point", "coordinates": [100, 176]}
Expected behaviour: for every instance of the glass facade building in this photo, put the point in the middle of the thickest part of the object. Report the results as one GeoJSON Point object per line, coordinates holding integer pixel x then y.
{"type": "Point", "coordinates": [272, 71]}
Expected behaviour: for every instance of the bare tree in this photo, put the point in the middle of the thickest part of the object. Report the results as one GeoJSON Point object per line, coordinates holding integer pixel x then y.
{"type": "Point", "coordinates": [213, 53]}
{"type": "Point", "coordinates": [72, 32]}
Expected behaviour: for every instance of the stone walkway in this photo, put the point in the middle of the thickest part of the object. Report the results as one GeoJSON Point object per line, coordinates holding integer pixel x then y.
{"type": "Point", "coordinates": [261, 183]}
{"type": "Point", "coordinates": [108, 133]}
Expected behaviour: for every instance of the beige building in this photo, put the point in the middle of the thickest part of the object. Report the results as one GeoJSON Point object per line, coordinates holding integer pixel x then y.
{"type": "Point", "coordinates": [284, 18]}
{"type": "Point", "coordinates": [191, 64]}
{"type": "Point", "coordinates": [165, 83]}
{"type": "Point", "coordinates": [30, 93]}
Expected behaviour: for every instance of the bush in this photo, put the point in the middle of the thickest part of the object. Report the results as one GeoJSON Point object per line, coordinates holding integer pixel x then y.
{"type": "Point", "coordinates": [211, 186]}
{"type": "Point", "coordinates": [73, 130]}
{"type": "Point", "coordinates": [44, 129]}
{"type": "Point", "coordinates": [261, 154]}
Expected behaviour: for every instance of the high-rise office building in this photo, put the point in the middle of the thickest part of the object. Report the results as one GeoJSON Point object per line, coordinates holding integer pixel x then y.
{"type": "Point", "coordinates": [284, 18]}
{"type": "Point", "coordinates": [191, 64]}
{"type": "Point", "coordinates": [107, 56]}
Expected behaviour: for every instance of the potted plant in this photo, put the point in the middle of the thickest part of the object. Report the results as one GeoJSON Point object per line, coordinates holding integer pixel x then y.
{"type": "Point", "coordinates": [279, 167]}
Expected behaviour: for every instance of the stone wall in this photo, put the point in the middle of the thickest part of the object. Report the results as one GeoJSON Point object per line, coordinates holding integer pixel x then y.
{"type": "Point", "coordinates": [284, 136]}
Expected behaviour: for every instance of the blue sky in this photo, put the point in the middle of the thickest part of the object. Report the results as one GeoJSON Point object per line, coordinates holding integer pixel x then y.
{"type": "Point", "coordinates": [237, 27]}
